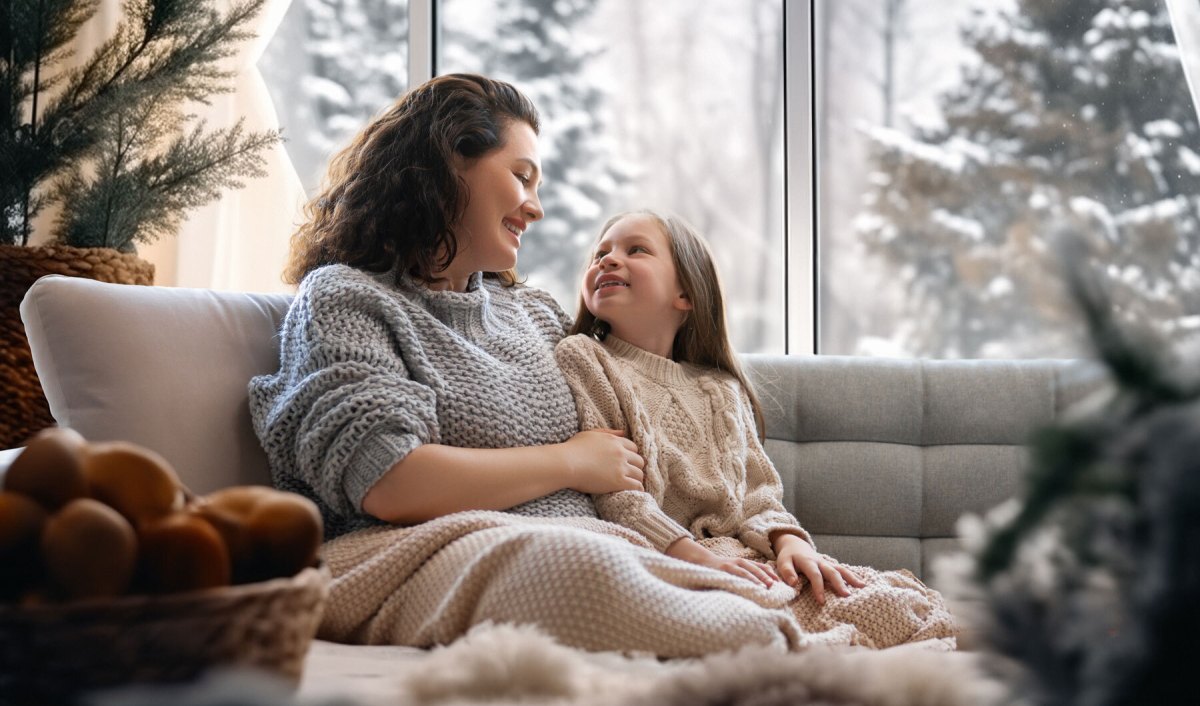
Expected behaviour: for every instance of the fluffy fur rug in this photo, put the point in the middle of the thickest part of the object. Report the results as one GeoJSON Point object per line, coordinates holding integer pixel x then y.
{"type": "Point", "coordinates": [519, 666]}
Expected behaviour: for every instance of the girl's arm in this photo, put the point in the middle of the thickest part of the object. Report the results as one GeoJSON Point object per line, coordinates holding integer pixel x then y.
{"type": "Point", "coordinates": [435, 479]}
{"type": "Point", "coordinates": [763, 512]}
{"type": "Point", "coordinates": [599, 404]}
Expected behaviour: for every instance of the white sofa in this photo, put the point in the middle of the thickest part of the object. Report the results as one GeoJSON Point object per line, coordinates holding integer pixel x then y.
{"type": "Point", "coordinates": [879, 457]}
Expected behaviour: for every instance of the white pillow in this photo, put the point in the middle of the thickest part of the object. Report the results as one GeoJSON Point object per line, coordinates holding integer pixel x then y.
{"type": "Point", "coordinates": [163, 367]}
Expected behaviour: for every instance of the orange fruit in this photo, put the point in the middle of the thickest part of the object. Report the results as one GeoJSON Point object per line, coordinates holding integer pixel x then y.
{"type": "Point", "coordinates": [270, 533]}
{"type": "Point", "coordinates": [89, 550]}
{"type": "Point", "coordinates": [181, 552]}
{"type": "Point", "coordinates": [133, 480]}
{"type": "Point", "coordinates": [50, 469]}
{"type": "Point", "coordinates": [285, 532]}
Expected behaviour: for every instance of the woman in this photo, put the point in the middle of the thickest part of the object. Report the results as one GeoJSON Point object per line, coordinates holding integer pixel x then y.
{"type": "Point", "coordinates": [418, 397]}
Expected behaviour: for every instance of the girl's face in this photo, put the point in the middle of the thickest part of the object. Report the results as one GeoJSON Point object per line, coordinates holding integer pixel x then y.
{"type": "Point", "coordinates": [503, 202]}
{"type": "Point", "coordinates": [632, 283]}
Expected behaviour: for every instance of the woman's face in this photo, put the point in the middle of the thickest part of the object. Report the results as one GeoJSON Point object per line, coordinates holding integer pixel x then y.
{"type": "Point", "coordinates": [503, 201]}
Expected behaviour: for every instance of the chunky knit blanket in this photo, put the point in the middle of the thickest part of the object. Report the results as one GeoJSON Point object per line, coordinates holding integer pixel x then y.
{"type": "Point", "coordinates": [593, 585]}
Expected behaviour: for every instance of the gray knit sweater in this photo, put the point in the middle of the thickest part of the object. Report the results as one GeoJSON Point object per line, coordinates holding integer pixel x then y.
{"type": "Point", "coordinates": [371, 368]}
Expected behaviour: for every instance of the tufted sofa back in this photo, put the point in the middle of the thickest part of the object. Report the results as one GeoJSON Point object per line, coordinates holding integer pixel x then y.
{"type": "Point", "coordinates": [880, 457]}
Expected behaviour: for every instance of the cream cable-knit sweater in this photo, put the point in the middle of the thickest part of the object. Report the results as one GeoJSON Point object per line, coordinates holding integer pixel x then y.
{"type": "Point", "coordinates": [706, 473]}
{"type": "Point", "coordinates": [372, 367]}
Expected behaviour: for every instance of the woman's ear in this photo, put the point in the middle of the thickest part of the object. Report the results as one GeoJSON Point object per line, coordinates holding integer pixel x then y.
{"type": "Point", "coordinates": [682, 303]}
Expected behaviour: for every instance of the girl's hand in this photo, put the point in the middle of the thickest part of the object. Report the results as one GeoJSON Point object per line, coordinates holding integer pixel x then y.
{"type": "Point", "coordinates": [603, 461]}
{"type": "Point", "coordinates": [690, 550]}
{"type": "Point", "coordinates": [794, 556]}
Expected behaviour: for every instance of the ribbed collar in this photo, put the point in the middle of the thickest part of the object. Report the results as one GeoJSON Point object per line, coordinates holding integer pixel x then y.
{"type": "Point", "coordinates": [655, 367]}
{"type": "Point", "coordinates": [458, 309]}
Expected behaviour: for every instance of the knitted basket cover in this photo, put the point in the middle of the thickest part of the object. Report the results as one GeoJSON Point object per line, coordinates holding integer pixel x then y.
{"type": "Point", "coordinates": [23, 408]}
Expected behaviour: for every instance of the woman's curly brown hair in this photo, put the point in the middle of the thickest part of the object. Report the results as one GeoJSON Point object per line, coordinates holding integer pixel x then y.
{"type": "Point", "coordinates": [390, 200]}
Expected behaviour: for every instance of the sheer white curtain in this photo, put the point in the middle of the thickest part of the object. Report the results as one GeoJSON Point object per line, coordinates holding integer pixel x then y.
{"type": "Point", "coordinates": [1185, 19]}
{"type": "Point", "coordinates": [240, 242]}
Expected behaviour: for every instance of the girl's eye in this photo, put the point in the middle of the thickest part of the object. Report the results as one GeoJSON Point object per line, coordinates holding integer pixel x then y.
{"type": "Point", "coordinates": [638, 248]}
{"type": "Point", "coordinates": [599, 254]}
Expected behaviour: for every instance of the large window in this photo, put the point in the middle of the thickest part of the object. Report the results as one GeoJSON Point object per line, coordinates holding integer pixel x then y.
{"type": "Point", "coordinates": [674, 105]}
{"type": "Point", "coordinates": [957, 141]}
{"type": "Point", "coordinates": [876, 177]}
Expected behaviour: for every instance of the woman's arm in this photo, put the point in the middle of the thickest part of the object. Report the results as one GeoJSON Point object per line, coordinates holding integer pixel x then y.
{"type": "Point", "coordinates": [435, 479]}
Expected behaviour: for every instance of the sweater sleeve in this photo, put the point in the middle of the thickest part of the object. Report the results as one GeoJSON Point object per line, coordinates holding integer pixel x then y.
{"type": "Point", "coordinates": [599, 407]}
{"type": "Point", "coordinates": [763, 511]}
{"type": "Point", "coordinates": [343, 408]}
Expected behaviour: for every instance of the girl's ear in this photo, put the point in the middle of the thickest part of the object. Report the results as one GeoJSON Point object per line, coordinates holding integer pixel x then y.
{"type": "Point", "coordinates": [682, 303]}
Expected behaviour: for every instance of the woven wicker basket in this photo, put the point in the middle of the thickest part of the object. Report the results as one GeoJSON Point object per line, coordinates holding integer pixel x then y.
{"type": "Point", "coordinates": [25, 410]}
{"type": "Point", "coordinates": [51, 653]}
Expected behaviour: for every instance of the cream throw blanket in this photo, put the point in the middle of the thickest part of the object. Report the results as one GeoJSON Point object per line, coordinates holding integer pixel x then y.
{"type": "Point", "coordinates": [593, 585]}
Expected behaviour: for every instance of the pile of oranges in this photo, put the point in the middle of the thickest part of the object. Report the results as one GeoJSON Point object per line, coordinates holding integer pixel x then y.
{"type": "Point", "coordinates": [82, 520]}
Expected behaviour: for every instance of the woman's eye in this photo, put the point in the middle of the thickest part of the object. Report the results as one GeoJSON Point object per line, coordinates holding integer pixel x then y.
{"type": "Point", "coordinates": [524, 178]}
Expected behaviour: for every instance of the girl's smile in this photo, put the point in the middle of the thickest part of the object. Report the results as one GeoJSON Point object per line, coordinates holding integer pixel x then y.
{"type": "Point", "coordinates": [632, 284]}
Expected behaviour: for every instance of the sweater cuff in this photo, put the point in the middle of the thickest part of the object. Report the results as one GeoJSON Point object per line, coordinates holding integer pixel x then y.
{"type": "Point", "coordinates": [661, 530]}
{"type": "Point", "coordinates": [373, 458]}
{"type": "Point", "coordinates": [758, 535]}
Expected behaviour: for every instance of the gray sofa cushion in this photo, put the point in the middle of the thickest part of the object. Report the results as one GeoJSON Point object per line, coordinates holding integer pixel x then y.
{"type": "Point", "coordinates": [880, 457]}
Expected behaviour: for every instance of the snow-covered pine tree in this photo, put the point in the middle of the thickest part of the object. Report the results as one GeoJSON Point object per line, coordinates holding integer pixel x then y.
{"type": "Point", "coordinates": [538, 46]}
{"type": "Point", "coordinates": [1074, 111]}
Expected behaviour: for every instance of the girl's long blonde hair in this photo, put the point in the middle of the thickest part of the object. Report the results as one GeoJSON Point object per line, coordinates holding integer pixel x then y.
{"type": "Point", "coordinates": [703, 339]}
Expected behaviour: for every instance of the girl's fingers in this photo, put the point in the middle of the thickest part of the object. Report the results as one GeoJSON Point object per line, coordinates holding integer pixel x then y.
{"type": "Point", "coordinates": [851, 578]}
{"type": "Point", "coordinates": [787, 572]}
{"type": "Point", "coordinates": [813, 573]}
{"type": "Point", "coordinates": [834, 578]}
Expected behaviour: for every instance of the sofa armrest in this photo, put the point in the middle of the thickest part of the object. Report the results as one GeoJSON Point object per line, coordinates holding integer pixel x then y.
{"type": "Point", "coordinates": [7, 456]}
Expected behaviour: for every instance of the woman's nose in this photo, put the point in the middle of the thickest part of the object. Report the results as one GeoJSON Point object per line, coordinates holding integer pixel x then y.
{"type": "Point", "coordinates": [533, 209]}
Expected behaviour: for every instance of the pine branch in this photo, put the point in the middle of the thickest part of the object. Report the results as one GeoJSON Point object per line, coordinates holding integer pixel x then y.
{"type": "Point", "coordinates": [137, 196]}
{"type": "Point", "coordinates": [164, 51]}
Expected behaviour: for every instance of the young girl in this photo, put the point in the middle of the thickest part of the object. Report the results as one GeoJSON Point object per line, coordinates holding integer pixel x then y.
{"type": "Point", "coordinates": [653, 359]}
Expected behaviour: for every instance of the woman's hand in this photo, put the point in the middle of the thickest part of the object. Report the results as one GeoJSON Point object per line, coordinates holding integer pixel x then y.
{"type": "Point", "coordinates": [603, 461]}
{"type": "Point", "coordinates": [795, 557]}
{"type": "Point", "coordinates": [690, 550]}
